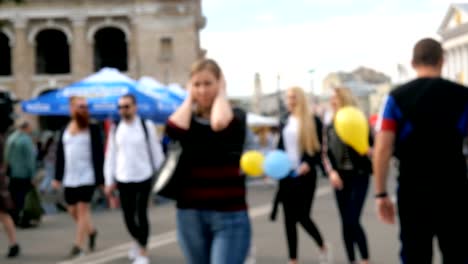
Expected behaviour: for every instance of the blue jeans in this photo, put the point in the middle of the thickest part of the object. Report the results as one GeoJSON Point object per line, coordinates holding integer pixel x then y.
{"type": "Point", "coordinates": [213, 237]}
{"type": "Point", "coordinates": [351, 201]}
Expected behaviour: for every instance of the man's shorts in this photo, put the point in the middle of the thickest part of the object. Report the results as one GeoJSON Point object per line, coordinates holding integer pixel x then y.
{"type": "Point", "coordinates": [83, 194]}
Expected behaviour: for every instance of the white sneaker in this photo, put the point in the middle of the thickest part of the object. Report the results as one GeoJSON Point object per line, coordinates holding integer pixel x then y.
{"type": "Point", "coordinates": [251, 256]}
{"type": "Point", "coordinates": [133, 252]}
{"type": "Point", "coordinates": [327, 256]}
{"type": "Point", "coordinates": [141, 260]}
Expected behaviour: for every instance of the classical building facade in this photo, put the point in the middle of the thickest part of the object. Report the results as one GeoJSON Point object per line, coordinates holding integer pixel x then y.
{"type": "Point", "coordinates": [454, 33]}
{"type": "Point", "coordinates": [47, 44]}
{"type": "Point", "coordinates": [367, 85]}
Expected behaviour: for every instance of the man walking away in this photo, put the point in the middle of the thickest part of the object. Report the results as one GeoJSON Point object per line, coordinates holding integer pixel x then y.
{"type": "Point", "coordinates": [423, 123]}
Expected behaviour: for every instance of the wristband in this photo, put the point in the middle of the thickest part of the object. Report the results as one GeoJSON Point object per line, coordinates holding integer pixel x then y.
{"type": "Point", "coordinates": [381, 195]}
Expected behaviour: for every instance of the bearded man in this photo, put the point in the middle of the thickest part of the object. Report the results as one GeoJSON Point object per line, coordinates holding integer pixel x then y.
{"type": "Point", "coordinates": [79, 169]}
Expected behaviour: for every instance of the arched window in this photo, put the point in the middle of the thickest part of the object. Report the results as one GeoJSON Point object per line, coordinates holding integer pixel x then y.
{"type": "Point", "coordinates": [110, 49]}
{"type": "Point", "coordinates": [52, 52]}
{"type": "Point", "coordinates": [5, 55]}
{"type": "Point", "coordinates": [52, 123]}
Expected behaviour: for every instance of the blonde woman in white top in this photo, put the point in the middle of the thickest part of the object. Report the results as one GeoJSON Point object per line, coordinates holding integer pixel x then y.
{"type": "Point", "coordinates": [300, 135]}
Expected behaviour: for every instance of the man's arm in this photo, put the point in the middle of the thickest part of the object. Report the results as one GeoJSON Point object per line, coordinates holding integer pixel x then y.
{"type": "Point", "coordinates": [110, 157]}
{"type": "Point", "coordinates": [387, 126]}
{"type": "Point", "coordinates": [383, 150]}
{"type": "Point", "coordinates": [382, 154]}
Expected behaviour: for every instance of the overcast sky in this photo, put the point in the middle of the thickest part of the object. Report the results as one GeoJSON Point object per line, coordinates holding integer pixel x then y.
{"type": "Point", "coordinates": [277, 36]}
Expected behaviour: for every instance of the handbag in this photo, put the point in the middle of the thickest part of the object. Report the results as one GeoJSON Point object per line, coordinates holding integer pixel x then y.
{"type": "Point", "coordinates": [166, 178]}
{"type": "Point", "coordinates": [32, 212]}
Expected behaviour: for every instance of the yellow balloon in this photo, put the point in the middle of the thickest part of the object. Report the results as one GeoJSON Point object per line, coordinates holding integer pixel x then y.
{"type": "Point", "coordinates": [252, 163]}
{"type": "Point", "coordinates": [352, 128]}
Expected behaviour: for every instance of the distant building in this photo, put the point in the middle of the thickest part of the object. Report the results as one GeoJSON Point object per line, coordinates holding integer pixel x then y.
{"type": "Point", "coordinates": [269, 104]}
{"type": "Point", "coordinates": [454, 33]}
{"type": "Point", "coordinates": [363, 82]}
{"type": "Point", "coordinates": [257, 96]}
{"type": "Point", "coordinates": [47, 44]}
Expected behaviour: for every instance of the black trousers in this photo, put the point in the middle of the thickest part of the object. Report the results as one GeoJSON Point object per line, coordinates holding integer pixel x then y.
{"type": "Point", "coordinates": [18, 189]}
{"type": "Point", "coordinates": [134, 199]}
{"type": "Point", "coordinates": [350, 202]}
{"type": "Point", "coordinates": [297, 195]}
{"type": "Point", "coordinates": [424, 217]}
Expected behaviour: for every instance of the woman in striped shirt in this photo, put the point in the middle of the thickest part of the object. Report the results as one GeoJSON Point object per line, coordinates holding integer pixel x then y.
{"type": "Point", "coordinates": [212, 220]}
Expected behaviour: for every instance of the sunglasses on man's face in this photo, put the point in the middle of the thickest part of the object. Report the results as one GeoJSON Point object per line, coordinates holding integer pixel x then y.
{"type": "Point", "coordinates": [124, 107]}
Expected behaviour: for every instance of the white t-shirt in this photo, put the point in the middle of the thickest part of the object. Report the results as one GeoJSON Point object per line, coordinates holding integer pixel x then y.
{"type": "Point", "coordinates": [127, 158]}
{"type": "Point", "coordinates": [291, 141]}
{"type": "Point", "coordinates": [79, 170]}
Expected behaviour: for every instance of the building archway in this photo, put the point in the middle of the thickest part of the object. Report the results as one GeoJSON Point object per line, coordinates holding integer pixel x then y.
{"type": "Point", "coordinates": [52, 123]}
{"type": "Point", "coordinates": [5, 54]}
{"type": "Point", "coordinates": [110, 49]}
{"type": "Point", "coordinates": [52, 52]}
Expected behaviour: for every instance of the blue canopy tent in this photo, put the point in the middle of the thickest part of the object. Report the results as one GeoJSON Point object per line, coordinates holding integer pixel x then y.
{"type": "Point", "coordinates": [169, 98]}
{"type": "Point", "coordinates": [102, 90]}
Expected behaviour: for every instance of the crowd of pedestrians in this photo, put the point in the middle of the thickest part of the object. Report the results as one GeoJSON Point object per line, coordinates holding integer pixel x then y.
{"type": "Point", "coordinates": [213, 223]}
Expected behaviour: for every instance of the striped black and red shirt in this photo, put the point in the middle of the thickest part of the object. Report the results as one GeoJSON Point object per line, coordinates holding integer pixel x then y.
{"type": "Point", "coordinates": [210, 175]}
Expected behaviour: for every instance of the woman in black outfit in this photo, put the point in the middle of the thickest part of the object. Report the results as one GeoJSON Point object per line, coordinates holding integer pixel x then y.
{"type": "Point", "coordinates": [349, 175]}
{"type": "Point", "coordinates": [300, 136]}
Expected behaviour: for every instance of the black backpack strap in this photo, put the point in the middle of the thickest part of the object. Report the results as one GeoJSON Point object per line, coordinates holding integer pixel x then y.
{"type": "Point", "coordinates": [150, 153]}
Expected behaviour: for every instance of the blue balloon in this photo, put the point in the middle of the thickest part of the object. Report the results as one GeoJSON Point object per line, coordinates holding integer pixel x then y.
{"type": "Point", "coordinates": [277, 165]}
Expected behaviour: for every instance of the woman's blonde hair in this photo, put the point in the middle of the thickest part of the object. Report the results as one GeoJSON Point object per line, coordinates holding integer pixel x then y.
{"type": "Point", "coordinates": [345, 96]}
{"type": "Point", "coordinates": [206, 64]}
{"type": "Point", "coordinates": [308, 138]}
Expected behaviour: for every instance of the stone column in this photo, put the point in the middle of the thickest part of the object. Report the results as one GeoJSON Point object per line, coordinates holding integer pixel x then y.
{"type": "Point", "coordinates": [455, 63]}
{"type": "Point", "coordinates": [452, 62]}
{"type": "Point", "coordinates": [458, 55]}
{"type": "Point", "coordinates": [80, 55]}
{"type": "Point", "coordinates": [23, 67]}
{"type": "Point", "coordinates": [445, 68]}
{"type": "Point", "coordinates": [465, 63]}
{"type": "Point", "coordinates": [132, 50]}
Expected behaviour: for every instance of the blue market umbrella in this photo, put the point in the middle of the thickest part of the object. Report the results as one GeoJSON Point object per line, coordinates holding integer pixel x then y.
{"type": "Point", "coordinates": [168, 98]}
{"type": "Point", "coordinates": [102, 90]}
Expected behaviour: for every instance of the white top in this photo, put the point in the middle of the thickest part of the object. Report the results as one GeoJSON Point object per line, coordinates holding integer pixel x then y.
{"type": "Point", "coordinates": [127, 158]}
{"type": "Point", "coordinates": [79, 169]}
{"type": "Point", "coordinates": [291, 141]}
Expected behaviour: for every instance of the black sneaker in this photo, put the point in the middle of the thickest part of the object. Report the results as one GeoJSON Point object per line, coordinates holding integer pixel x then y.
{"type": "Point", "coordinates": [75, 252]}
{"type": "Point", "coordinates": [92, 240]}
{"type": "Point", "coordinates": [14, 251]}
